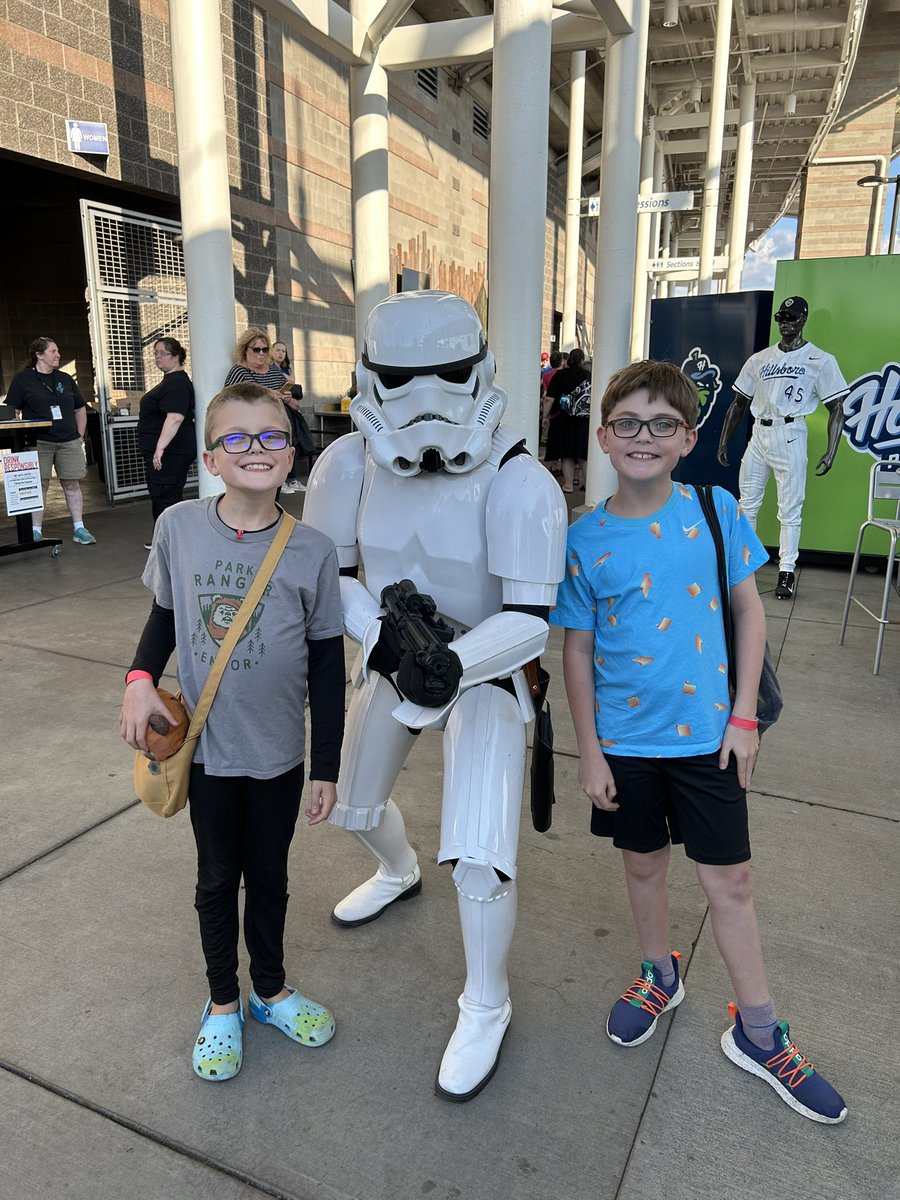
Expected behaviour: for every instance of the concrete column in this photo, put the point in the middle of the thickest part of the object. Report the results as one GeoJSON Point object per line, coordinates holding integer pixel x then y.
{"type": "Point", "coordinates": [740, 200]}
{"type": "Point", "coordinates": [199, 93]}
{"type": "Point", "coordinates": [710, 213]}
{"type": "Point", "coordinates": [369, 178]}
{"type": "Point", "coordinates": [644, 223]}
{"type": "Point", "coordinates": [518, 203]}
{"type": "Point", "coordinates": [662, 287]}
{"type": "Point", "coordinates": [573, 198]}
{"type": "Point", "coordinates": [623, 106]}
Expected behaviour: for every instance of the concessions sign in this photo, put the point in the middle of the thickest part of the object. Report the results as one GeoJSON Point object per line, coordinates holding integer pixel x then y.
{"type": "Point", "coordinates": [21, 481]}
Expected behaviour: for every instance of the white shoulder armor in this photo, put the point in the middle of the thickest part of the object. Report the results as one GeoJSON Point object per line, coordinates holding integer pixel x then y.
{"type": "Point", "coordinates": [333, 493]}
{"type": "Point", "coordinates": [526, 522]}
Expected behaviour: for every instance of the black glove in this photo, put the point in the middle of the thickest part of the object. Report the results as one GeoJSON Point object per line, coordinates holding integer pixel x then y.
{"type": "Point", "coordinates": [388, 650]}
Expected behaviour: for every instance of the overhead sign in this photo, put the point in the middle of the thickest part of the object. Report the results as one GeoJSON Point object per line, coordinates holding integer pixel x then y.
{"type": "Point", "coordinates": [87, 137]}
{"type": "Point", "coordinates": [688, 267]}
{"type": "Point", "coordinates": [665, 202]}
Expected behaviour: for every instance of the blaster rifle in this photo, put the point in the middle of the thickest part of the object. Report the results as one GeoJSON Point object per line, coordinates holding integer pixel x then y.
{"type": "Point", "coordinates": [429, 672]}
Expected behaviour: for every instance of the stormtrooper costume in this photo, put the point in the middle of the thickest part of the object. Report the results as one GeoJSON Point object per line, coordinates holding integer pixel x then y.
{"type": "Point", "coordinates": [433, 489]}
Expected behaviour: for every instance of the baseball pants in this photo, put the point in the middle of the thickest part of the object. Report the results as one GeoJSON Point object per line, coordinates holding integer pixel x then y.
{"type": "Point", "coordinates": [777, 449]}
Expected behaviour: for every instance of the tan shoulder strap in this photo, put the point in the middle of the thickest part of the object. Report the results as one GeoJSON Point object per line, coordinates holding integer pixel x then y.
{"type": "Point", "coordinates": [243, 615]}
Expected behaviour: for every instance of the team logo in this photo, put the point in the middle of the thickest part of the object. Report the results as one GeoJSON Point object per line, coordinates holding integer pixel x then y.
{"type": "Point", "coordinates": [218, 613]}
{"type": "Point", "coordinates": [708, 380]}
{"type": "Point", "coordinates": [872, 413]}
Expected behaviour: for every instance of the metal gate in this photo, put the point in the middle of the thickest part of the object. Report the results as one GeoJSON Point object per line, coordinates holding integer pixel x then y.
{"type": "Point", "coordinates": [136, 295]}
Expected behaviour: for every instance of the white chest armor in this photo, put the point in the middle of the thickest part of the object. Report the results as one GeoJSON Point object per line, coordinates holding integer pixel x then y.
{"type": "Point", "coordinates": [430, 529]}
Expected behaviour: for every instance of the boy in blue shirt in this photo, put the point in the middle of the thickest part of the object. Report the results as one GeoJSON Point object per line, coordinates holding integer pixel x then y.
{"type": "Point", "coordinates": [666, 754]}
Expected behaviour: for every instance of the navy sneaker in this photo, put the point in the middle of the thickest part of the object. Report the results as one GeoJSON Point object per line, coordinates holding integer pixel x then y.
{"type": "Point", "coordinates": [634, 1015]}
{"type": "Point", "coordinates": [792, 1076]}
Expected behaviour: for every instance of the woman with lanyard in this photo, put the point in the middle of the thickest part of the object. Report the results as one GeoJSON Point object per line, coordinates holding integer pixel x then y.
{"type": "Point", "coordinates": [41, 392]}
{"type": "Point", "coordinates": [165, 429]}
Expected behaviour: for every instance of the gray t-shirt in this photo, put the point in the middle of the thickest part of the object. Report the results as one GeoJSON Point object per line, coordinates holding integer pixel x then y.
{"type": "Point", "coordinates": [201, 569]}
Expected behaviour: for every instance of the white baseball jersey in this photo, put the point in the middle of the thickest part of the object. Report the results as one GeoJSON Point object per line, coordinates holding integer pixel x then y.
{"type": "Point", "coordinates": [789, 383]}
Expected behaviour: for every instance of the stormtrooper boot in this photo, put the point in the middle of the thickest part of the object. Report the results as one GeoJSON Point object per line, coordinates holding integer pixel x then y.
{"type": "Point", "coordinates": [398, 876]}
{"type": "Point", "coordinates": [473, 1052]}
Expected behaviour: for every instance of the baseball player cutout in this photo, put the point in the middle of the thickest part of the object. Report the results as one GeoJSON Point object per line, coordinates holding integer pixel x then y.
{"type": "Point", "coordinates": [435, 496]}
{"type": "Point", "coordinates": [783, 384]}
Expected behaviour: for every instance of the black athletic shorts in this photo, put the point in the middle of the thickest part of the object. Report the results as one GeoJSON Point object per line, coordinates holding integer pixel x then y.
{"type": "Point", "coordinates": [678, 800]}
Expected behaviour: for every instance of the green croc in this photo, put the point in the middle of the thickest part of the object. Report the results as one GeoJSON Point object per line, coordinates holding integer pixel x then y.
{"type": "Point", "coordinates": [218, 1050]}
{"type": "Point", "coordinates": [300, 1019]}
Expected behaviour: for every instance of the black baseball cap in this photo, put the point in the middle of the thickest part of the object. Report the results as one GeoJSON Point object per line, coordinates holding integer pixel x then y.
{"type": "Point", "coordinates": [794, 307]}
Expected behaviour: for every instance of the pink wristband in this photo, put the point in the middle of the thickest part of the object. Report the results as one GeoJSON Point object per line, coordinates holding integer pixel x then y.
{"type": "Point", "coordinates": [743, 723]}
{"type": "Point", "coordinates": [133, 675]}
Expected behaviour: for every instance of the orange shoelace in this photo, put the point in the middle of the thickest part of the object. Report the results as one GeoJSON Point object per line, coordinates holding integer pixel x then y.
{"type": "Point", "coordinates": [647, 996]}
{"type": "Point", "coordinates": [790, 1066]}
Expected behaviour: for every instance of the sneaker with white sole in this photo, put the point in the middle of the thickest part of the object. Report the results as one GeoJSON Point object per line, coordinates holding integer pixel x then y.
{"type": "Point", "coordinates": [785, 1069]}
{"type": "Point", "coordinates": [634, 1015]}
{"type": "Point", "coordinates": [81, 537]}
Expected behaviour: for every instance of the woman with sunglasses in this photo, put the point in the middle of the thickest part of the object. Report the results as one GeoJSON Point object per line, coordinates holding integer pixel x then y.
{"type": "Point", "coordinates": [253, 363]}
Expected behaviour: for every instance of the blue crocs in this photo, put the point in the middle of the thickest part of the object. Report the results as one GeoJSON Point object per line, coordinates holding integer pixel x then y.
{"type": "Point", "coordinates": [634, 1015]}
{"type": "Point", "coordinates": [792, 1076]}
{"type": "Point", "coordinates": [300, 1019]}
{"type": "Point", "coordinates": [218, 1050]}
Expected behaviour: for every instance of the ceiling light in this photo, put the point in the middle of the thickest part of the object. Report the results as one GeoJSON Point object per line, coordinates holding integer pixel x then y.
{"type": "Point", "coordinates": [790, 104]}
{"type": "Point", "coordinates": [670, 14]}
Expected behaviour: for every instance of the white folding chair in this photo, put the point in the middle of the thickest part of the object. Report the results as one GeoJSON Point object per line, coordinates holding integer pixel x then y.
{"type": "Point", "coordinates": [884, 484]}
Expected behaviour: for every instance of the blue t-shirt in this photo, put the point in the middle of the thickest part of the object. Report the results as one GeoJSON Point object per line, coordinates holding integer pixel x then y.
{"type": "Point", "coordinates": [648, 587]}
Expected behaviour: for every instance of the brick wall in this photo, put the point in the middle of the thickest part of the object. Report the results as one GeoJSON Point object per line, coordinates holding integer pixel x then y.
{"type": "Point", "coordinates": [288, 143]}
{"type": "Point", "coordinates": [835, 214]}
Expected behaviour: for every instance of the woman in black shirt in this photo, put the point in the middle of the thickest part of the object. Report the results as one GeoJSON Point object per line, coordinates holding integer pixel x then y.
{"type": "Point", "coordinates": [165, 429]}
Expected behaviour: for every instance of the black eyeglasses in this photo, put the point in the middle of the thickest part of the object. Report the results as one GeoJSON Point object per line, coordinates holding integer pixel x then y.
{"type": "Point", "coordinates": [258, 349]}
{"type": "Point", "coordinates": [661, 427]}
{"type": "Point", "coordinates": [239, 443]}
{"type": "Point", "coordinates": [789, 316]}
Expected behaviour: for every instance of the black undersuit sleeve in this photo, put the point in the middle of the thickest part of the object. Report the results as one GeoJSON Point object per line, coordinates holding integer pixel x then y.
{"type": "Point", "coordinates": [157, 642]}
{"type": "Point", "coordinates": [326, 682]}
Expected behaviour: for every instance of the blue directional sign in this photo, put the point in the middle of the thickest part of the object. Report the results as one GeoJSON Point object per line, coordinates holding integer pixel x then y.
{"type": "Point", "coordinates": [87, 137]}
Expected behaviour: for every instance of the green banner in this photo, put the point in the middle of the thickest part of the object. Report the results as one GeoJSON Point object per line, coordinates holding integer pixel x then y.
{"type": "Point", "coordinates": [853, 307]}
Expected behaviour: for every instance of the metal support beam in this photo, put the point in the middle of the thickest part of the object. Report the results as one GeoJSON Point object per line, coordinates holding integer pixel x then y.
{"type": "Point", "coordinates": [713, 174]}
{"type": "Point", "coordinates": [623, 106]}
{"type": "Point", "coordinates": [517, 247]}
{"type": "Point", "coordinates": [573, 198]}
{"type": "Point", "coordinates": [740, 200]}
{"type": "Point", "coordinates": [199, 94]}
{"type": "Point", "coordinates": [639, 298]}
{"type": "Point", "coordinates": [471, 39]}
{"type": "Point", "coordinates": [369, 181]}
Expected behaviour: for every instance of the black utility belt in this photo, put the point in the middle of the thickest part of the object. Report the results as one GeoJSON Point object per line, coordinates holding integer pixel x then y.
{"type": "Point", "coordinates": [775, 420]}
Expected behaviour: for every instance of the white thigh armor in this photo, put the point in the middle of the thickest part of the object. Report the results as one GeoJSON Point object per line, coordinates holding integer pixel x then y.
{"type": "Point", "coordinates": [484, 771]}
{"type": "Point", "coordinates": [375, 748]}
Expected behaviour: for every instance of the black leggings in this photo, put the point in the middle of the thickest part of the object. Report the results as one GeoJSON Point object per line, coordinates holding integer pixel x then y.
{"type": "Point", "coordinates": [243, 827]}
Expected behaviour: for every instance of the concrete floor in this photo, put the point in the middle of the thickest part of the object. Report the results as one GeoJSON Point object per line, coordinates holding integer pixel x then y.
{"type": "Point", "coordinates": [102, 981]}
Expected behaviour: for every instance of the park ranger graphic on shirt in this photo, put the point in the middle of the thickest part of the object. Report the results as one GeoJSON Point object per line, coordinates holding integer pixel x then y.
{"type": "Point", "coordinates": [782, 385]}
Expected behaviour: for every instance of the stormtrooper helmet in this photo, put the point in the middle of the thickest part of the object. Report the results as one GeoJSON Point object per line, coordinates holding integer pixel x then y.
{"type": "Point", "coordinates": [426, 398]}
